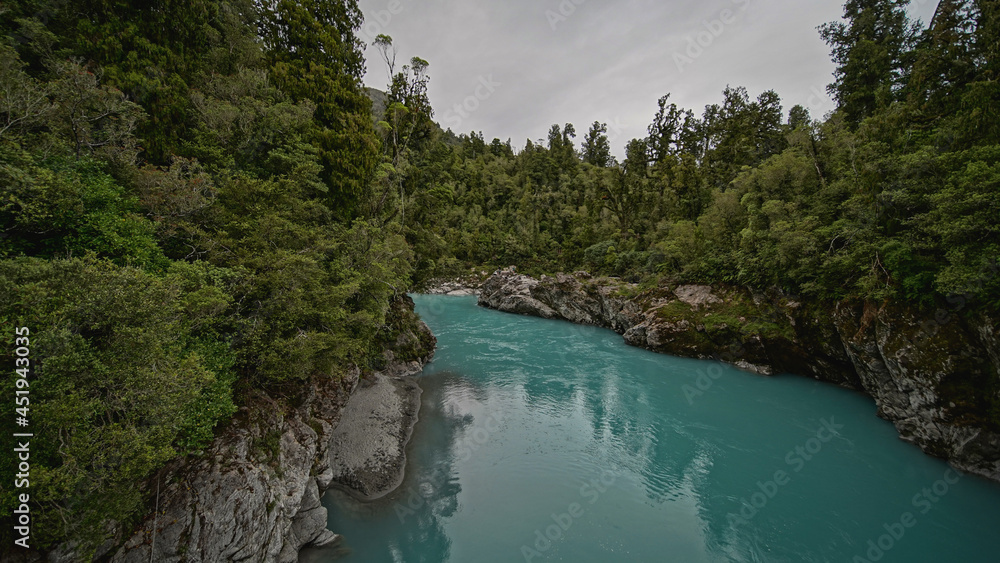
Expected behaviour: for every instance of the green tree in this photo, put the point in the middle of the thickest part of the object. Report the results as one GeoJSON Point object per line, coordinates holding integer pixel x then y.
{"type": "Point", "coordinates": [980, 122]}
{"type": "Point", "coordinates": [944, 63]}
{"type": "Point", "coordinates": [871, 51]}
{"type": "Point", "coordinates": [315, 56]}
{"type": "Point", "coordinates": [626, 187]}
{"type": "Point", "coordinates": [596, 148]}
{"type": "Point", "coordinates": [128, 374]}
{"type": "Point", "coordinates": [667, 129]}
{"type": "Point", "coordinates": [798, 117]}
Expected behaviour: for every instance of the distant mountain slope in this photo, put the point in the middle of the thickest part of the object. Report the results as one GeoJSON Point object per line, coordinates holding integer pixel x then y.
{"type": "Point", "coordinates": [379, 102]}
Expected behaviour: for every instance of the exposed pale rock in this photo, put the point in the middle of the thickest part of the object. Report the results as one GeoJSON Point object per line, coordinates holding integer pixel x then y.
{"type": "Point", "coordinates": [561, 297]}
{"type": "Point", "coordinates": [696, 295]}
{"type": "Point", "coordinates": [459, 286]}
{"type": "Point", "coordinates": [255, 494]}
{"type": "Point", "coordinates": [368, 447]}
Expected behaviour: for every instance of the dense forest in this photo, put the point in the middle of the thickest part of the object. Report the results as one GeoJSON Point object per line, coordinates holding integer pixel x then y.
{"type": "Point", "coordinates": [895, 195]}
{"type": "Point", "coordinates": [186, 213]}
{"type": "Point", "coordinates": [198, 201]}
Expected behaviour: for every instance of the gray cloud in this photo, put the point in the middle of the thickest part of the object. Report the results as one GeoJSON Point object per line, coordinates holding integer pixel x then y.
{"type": "Point", "coordinates": [580, 61]}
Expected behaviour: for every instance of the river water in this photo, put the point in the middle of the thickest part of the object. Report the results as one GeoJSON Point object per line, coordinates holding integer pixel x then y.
{"type": "Point", "coordinates": [545, 441]}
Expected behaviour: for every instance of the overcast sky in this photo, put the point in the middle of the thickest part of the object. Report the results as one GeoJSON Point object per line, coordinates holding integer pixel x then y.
{"type": "Point", "coordinates": [512, 68]}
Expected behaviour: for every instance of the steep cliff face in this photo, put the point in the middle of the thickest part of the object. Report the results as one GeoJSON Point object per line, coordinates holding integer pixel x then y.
{"type": "Point", "coordinates": [934, 376]}
{"type": "Point", "coordinates": [255, 494]}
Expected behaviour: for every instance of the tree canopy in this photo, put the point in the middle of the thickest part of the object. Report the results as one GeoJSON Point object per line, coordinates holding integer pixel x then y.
{"type": "Point", "coordinates": [197, 204]}
{"type": "Point", "coordinates": [183, 196]}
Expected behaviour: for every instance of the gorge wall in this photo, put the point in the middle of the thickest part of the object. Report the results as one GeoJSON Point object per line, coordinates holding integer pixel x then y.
{"type": "Point", "coordinates": [934, 376]}
{"type": "Point", "coordinates": [255, 493]}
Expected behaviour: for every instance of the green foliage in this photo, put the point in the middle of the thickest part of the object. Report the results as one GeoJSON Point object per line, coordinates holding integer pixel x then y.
{"type": "Point", "coordinates": [314, 57]}
{"type": "Point", "coordinates": [871, 51]}
{"type": "Point", "coordinates": [315, 291]}
{"type": "Point", "coordinates": [962, 219]}
{"type": "Point", "coordinates": [69, 207]}
{"type": "Point", "coordinates": [194, 200]}
{"type": "Point", "coordinates": [127, 375]}
{"type": "Point", "coordinates": [151, 55]}
{"type": "Point", "coordinates": [894, 196]}
{"type": "Point", "coordinates": [180, 185]}
{"type": "Point", "coordinates": [596, 147]}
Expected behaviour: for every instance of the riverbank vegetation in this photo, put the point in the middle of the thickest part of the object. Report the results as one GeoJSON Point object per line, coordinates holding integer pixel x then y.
{"type": "Point", "coordinates": [185, 200]}
{"type": "Point", "coordinates": [894, 195]}
{"type": "Point", "coordinates": [196, 201]}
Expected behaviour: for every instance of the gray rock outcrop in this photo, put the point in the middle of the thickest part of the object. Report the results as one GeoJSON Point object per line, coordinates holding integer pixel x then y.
{"type": "Point", "coordinates": [560, 297]}
{"type": "Point", "coordinates": [928, 378]}
{"type": "Point", "coordinates": [368, 447]}
{"type": "Point", "coordinates": [468, 284]}
{"type": "Point", "coordinates": [255, 494]}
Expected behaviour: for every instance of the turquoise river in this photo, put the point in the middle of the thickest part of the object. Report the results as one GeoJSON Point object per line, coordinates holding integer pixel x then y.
{"type": "Point", "coordinates": [541, 440]}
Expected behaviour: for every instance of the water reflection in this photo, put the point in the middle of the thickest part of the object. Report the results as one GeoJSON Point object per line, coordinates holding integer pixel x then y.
{"type": "Point", "coordinates": [522, 418]}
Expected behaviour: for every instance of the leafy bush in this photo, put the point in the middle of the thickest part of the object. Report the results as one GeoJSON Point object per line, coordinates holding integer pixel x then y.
{"type": "Point", "coordinates": [127, 374]}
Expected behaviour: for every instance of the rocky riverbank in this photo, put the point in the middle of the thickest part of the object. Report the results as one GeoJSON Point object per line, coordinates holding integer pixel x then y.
{"type": "Point", "coordinates": [255, 493]}
{"type": "Point", "coordinates": [468, 284]}
{"type": "Point", "coordinates": [933, 375]}
{"type": "Point", "coordinates": [368, 447]}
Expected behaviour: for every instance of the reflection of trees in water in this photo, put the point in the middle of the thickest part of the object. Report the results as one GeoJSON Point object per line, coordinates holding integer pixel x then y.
{"type": "Point", "coordinates": [654, 444]}
{"type": "Point", "coordinates": [456, 394]}
{"type": "Point", "coordinates": [627, 431]}
{"type": "Point", "coordinates": [429, 493]}
{"type": "Point", "coordinates": [435, 480]}
{"type": "Point", "coordinates": [411, 519]}
{"type": "Point", "coordinates": [639, 435]}
{"type": "Point", "coordinates": [672, 462]}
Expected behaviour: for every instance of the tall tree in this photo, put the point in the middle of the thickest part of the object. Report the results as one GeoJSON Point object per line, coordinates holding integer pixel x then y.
{"type": "Point", "coordinates": [625, 190]}
{"type": "Point", "coordinates": [561, 149]}
{"type": "Point", "coordinates": [667, 128]}
{"type": "Point", "coordinates": [982, 97]}
{"type": "Point", "coordinates": [596, 148]}
{"type": "Point", "coordinates": [408, 111]}
{"type": "Point", "coordinates": [315, 56]}
{"type": "Point", "coordinates": [871, 50]}
{"type": "Point", "coordinates": [798, 116]}
{"type": "Point", "coordinates": [945, 62]}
